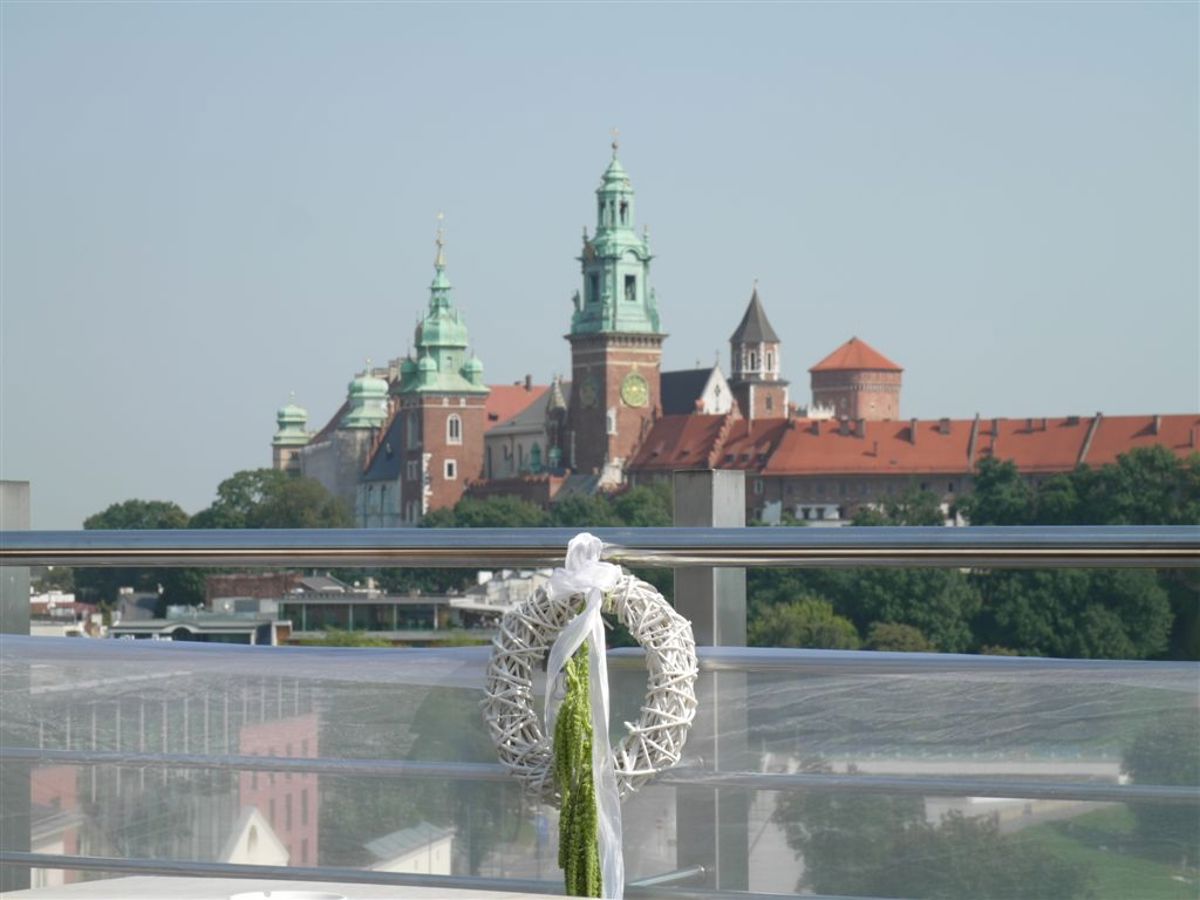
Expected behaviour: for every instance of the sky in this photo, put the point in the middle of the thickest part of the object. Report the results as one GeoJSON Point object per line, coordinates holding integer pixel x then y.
{"type": "Point", "coordinates": [207, 206]}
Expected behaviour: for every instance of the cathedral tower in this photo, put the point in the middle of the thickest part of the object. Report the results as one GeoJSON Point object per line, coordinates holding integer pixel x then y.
{"type": "Point", "coordinates": [616, 342]}
{"type": "Point", "coordinates": [440, 395]}
{"type": "Point", "coordinates": [754, 365]}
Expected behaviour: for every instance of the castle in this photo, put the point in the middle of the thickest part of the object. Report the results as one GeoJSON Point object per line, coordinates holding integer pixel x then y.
{"type": "Point", "coordinates": [425, 430]}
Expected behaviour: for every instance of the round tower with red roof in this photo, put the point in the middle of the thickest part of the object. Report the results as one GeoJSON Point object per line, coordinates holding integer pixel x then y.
{"type": "Point", "coordinates": [858, 382]}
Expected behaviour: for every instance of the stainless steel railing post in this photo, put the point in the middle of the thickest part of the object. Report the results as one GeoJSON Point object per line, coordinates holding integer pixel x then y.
{"type": "Point", "coordinates": [714, 599]}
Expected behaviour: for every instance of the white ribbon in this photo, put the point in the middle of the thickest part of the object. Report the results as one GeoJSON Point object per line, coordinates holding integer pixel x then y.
{"type": "Point", "coordinates": [585, 574]}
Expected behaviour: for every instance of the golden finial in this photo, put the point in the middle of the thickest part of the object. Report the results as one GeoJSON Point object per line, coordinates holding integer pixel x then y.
{"type": "Point", "coordinates": [440, 260]}
{"type": "Point", "coordinates": [616, 140]}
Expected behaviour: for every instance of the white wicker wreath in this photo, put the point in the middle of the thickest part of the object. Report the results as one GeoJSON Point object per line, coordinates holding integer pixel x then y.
{"type": "Point", "coordinates": [653, 743]}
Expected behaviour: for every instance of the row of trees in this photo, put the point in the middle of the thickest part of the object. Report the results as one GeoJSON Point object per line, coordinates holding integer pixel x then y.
{"type": "Point", "coordinates": [1097, 613]}
{"type": "Point", "coordinates": [254, 498]}
{"type": "Point", "coordinates": [1078, 613]}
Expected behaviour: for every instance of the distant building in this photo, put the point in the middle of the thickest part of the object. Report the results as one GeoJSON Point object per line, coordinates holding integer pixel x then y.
{"type": "Point", "coordinates": [426, 431]}
{"type": "Point", "coordinates": [856, 381]}
{"type": "Point", "coordinates": [822, 471]}
{"type": "Point", "coordinates": [422, 849]}
{"type": "Point", "coordinates": [754, 353]}
{"type": "Point", "coordinates": [700, 390]}
{"type": "Point", "coordinates": [187, 623]}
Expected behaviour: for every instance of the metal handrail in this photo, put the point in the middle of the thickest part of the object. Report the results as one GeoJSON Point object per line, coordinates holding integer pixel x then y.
{"type": "Point", "coordinates": [855, 783]}
{"type": "Point", "coordinates": [1040, 547]}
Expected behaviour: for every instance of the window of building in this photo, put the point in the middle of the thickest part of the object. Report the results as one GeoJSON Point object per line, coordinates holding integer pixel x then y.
{"type": "Point", "coordinates": [304, 807]}
{"type": "Point", "coordinates": [287, 811]}
{"type": "Point", "coordinates": [769, 403]}
{"type": "Point", "coordinates": [610, 421]}
{"type": "Point", "coordinates": [630, 287]}
{"type": "Point", "coordinates": [758, 485]}
{"type": "Point", "coordinates": [950, 488]}
{"type": "Point", "coordinates": [753, 361]}
{"type": "Point", "coordinates": [304, 850]}
{"type": "Point", "coordinates": [770, 361]}
{"type": "Point", "coordinates": [593, 287]}
{"type": "Point", "coordinates": [451, 469]}
{"type": "Point", "coordinates": [454, 429]}
{"type": "Point", "coordinates": [624, 212]}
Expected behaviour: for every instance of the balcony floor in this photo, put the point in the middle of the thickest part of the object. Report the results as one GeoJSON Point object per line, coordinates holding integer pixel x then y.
{"type": "Point", "coordinates": [153, 887]}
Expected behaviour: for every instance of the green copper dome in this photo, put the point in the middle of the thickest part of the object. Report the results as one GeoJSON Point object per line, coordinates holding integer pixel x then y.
{"type": "Point", "coordinates": [441, 343]}
{"type": "Point", "coordinates": [291, 421]}
{"type": "Point", "coordinates": [367, 396]}
{"type": "Point", "coordinates": [472, 370]}
{"type": "Point", "coordinates": [617, 297]}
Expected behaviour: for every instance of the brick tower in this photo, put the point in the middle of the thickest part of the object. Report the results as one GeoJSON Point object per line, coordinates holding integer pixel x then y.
{"type": "Point", "coordinates": [858, 382]}
{"type": "Point", "coordinates": [616, 343]}
{"type": "Point", "coordinates": [440, 395]}
{"type": "Point", "coordinates": [754, 365]}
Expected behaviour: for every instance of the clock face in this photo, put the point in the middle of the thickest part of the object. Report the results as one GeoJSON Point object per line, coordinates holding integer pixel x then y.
{"type": "Point", "coordinates": [634, 390]}
{"type": "Point", "coordinates": [587, 393]}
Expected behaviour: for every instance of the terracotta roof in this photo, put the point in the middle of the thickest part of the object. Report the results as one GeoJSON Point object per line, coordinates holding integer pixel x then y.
{"type": "Point", "coordinates": [679, 442]}
{"type": "Point", "coordinates": [1119, 434]}
{"type": "Point", "coordinates": [754, 328]}
{"type": "Point", "coordinates": [855, 354]}
{"type": "Point", "coordinates": [507, 400]}
{"type": "Point", "coordinates": [749, 443]}
{"type": "Point", "coordinates": [1039, 445]}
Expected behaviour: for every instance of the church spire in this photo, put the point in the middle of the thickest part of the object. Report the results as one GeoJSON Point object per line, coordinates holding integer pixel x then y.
{"type": "Point", "coordinates": [616, 295]}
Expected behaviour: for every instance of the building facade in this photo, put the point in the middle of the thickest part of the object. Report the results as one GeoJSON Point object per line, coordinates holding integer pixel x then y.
{"type": "Point", "coordinates": [615, 337]}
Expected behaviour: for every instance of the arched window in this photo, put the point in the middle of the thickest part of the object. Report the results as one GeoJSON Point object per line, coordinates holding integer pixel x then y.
{"type": "Point", "coordinates": [770, 361]}
{"type": "Point", "coordinates": [753, 361]}
{"type": "Point", "coordinates": [454, 429]}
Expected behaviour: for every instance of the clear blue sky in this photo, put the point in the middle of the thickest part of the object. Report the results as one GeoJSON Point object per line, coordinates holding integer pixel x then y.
{"type": "Point", "coordinates": [208, 205]}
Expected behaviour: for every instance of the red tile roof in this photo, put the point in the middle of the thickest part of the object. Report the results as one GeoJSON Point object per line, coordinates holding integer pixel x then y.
{"type": "Point", "coordinates": [749, 443]}
{"type": "Point", "coordinates": [680, 442]}
{"type": "Point", "coordinates": [855, 354]}
{"type": "Point", "coordinates": [1120, 434]}
{"type": "Point", "coordinates": [508, 400]}
{"type": "Point", "coordinates": [798, 447]}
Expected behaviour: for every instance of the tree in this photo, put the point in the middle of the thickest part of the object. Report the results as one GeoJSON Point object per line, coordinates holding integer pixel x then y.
{"type": "Point", "coordinates": [1076, 613]}
{"type": "Point", "coordinates": [806, 622]}
{"type": "Point", "coordinates": [897, 637]}
{"type": "Point", "coordinates": [1000, 495]}
{"type": "Point", "coordinates": [940, 603]}
{"type": "Point", "coordinates": [965, 856]}
{"type": "Point", "coordinates": [175, 586]}
{"type": "Point", "coordinates": [845, 839]}
{"type": "Point", "coordinates": [493, 512]}
{"type": "Point", "coordinates": [269, 498]}
{"type": "Point", "coordinates": [1167, 752]}
{"type": "Point", "coordinates": [912, 507]}
{"type": "Point", "coordinates": [879, 845]}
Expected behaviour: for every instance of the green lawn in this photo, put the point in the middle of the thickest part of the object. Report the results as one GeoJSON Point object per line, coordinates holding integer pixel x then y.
{"type": "Point", "coordinates": [1102, 841]}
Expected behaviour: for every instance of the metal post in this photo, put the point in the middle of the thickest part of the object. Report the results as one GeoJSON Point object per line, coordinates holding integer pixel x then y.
{"type": "Point", "coordinates": [714, 599]}
{"type": "Point", "coordinates": [14, 619]}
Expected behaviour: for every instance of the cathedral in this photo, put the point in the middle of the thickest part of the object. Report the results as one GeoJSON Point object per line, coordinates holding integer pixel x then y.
{"type": "Point", "coordinates": [426, 430]}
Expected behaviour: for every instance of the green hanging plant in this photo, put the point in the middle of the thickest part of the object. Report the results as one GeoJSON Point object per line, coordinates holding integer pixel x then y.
{"type": "Point", "coordinates": [578, 827]}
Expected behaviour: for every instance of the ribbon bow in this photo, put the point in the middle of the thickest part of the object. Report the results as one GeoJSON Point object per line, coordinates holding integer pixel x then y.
{"type": "Point", "coordinates": [585, 574]}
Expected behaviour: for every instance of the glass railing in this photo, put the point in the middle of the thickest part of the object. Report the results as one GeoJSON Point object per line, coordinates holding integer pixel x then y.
{"type": "Point", "coordinates": [829, 773]}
